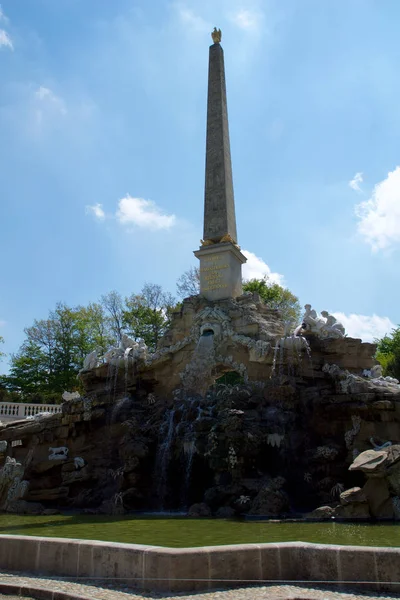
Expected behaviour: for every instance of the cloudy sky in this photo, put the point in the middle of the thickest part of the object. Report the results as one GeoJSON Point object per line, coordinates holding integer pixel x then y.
{"type": "Point", "coordinates": [102, 138]}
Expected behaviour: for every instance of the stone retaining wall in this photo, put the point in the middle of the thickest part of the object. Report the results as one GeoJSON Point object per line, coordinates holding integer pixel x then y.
{"type": "Point", "coordinates": [185, 569]}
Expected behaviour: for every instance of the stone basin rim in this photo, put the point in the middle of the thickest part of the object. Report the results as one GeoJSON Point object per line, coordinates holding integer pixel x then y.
{"type": "Point", "coordinates": [173, 550]}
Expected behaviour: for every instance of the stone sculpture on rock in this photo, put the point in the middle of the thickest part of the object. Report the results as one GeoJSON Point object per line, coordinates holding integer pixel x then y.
{"type": "Point", "coordinates": [91, 361]}
{"type": "Point", "coordinates": [71, 395]}
{"type": "Point", "coordinates": [60, 453]}
{"type": "Point", "coordinates": [325, 326]}
{"type": "Point", "coordinates": [332, 327]}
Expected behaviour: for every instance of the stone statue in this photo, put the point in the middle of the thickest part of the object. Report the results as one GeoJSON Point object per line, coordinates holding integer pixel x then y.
{"type": "Point", "coordinates": [377, 371]}
{"type": "Point", "coordinates": [332, 327]}
{"type": "Point", "coordinates": [216, 35]}
{"type": "Point", "coordinates": [127, 342]}
{"type": "Point", "coordinates": [311, 321]}
{"type": "Point", "coordinates": [91, 361]}
{"type": "Point", "coordinates": [60, 453]}
{"type": "Point", "coordinates": [70, 396]}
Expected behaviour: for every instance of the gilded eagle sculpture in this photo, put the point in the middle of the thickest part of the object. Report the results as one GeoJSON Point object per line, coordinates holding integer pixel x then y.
{"type": "Point", "coordinates": [216, 35]}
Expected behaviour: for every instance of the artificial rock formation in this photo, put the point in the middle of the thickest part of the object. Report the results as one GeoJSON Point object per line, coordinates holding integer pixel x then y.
{"type": "Point", "coordinates": [164, 431]}
{"type": "Point", "coordinates": [232, 414]}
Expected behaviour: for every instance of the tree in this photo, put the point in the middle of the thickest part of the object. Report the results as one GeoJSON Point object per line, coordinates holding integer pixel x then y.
{"type": "Point", "coordinates": [188, 283]}
{"type": "Point", "coordinates": [276, 296]}
{"type": "Point", "coordinates": [388, 353]}
{"type": "Point", "coordinates": [114, 305]}
{"type": "Point", "coordinates": [147, 315]}
{"type": "Point", "coordinates": [1, 342]}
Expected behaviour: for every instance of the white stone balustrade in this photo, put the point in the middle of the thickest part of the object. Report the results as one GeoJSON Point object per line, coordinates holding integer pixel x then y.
{"type": "Point", "coordinates": [14, 411]}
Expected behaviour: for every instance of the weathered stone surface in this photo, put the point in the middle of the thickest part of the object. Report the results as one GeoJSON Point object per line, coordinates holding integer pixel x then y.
{"type": "Point", "coordinates": [323, 512]}
{"type": "Point", "coordinates": [219, 204]}
{"type": "Point", "coordinates": [199, 510]}
{"type": "Point", "coordinates": [370, 462]}
{"type": "Point", "coordinates": [225, 512]}
{"type": "Point", "coordinates": [270, 502]}
{"type": "Point", "coordinates": [377, 493]}
{"type": "Point", "coordinates": [355, 494]}
{"type": "Point", "coordinates": [353, 511]}
{"type": "Point", "coordinates": [48, 494]}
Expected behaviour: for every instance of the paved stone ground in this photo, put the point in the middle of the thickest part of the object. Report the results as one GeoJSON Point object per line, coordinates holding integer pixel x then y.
{"type": "Point", "coordinates": [93, 590]}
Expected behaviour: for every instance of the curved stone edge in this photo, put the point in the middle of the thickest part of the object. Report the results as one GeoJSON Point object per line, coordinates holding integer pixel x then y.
{"type": "Point", "coordinates": [38, 593]}
{"type": "Point", "coordinates": [188, 569]}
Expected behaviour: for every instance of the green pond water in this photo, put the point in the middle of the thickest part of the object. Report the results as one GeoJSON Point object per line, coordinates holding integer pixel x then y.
{"type": "Point", "coordinates": [184, 532]}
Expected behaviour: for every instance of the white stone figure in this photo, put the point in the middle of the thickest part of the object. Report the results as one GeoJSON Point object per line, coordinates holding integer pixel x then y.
{"type": "Point", "coordinates": [91, 361]}
{"type": "Point", "coordinates": [79, 462]}
{"type": "Point", "coordinates": [311, 321]}
{"type": "Point", "coordinates": [70, 396]}
{"type": "Point", "coordinates": [113, 355]}
{"type": "Point", "coordinates": [332, 327]}
{"type": "Point", "coordinates": [376, 371]}
{"type": "Point", "coordinates": [45, 414]}
{"type": "Point", "coordinates": [367, 373]}
{"type": "Point", "coordinates": [127, 342]}
{"type": "Point", "coordinates": [60, 453]}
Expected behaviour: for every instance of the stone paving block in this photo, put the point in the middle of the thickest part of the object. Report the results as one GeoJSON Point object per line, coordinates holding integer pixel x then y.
{"type": "Point", "coordinates": [58, 557]}
{"type": "Point", "coordinates": [317, 562]}
{"type": "Point", "coordinates": [231, 565]}
{"type": "Point", "coordinates": [156, 569]}
{"type": "Point", "coordinates": [388, 569]}
{"type": "Point", "coordinates": [190, 570]}
{"type": "Point", "coordinates": [358, 565]}
{"type": "Point", "coordinates": [270, 562]}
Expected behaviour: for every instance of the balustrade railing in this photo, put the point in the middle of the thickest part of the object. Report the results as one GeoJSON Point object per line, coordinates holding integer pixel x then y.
{"type": "Point", "coordinates": [12, 411]}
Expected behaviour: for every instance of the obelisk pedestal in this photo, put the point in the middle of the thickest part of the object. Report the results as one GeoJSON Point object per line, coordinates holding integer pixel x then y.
{"type": "Point", "coordinates": [220, 257]}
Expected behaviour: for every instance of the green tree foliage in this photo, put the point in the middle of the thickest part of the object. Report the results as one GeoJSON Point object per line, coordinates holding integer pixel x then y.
{"type": "Point", "coordinates": [388, 353]}
{"type": "Point", "coordinates": [1, 342]}
{"type": "Point", "coordinates": [147, 315]}
{"type": "Point", "coordinates": [53, 351]}
{"type": "Point", "coordinates": [276, 296]}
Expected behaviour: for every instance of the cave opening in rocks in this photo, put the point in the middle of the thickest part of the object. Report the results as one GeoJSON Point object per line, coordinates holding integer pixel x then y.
{"type": "Point", "coordinates": [230, 378]}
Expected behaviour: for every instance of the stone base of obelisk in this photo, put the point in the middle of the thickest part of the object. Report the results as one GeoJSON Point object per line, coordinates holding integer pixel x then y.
{"type": "Point", "coordinates": [220, 271]}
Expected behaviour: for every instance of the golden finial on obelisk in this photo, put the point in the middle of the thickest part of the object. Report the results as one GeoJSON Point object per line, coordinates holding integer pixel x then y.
{"type": "Point", "coordinates": [216, 35]}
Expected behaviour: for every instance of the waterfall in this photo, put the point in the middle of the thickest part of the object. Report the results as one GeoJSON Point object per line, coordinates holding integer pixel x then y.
{"type": "Point", "coordinates": [163, 456]}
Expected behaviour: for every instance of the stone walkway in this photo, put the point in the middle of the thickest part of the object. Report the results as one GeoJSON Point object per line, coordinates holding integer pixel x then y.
{"type": "Point", "coordinates": [90, 590]}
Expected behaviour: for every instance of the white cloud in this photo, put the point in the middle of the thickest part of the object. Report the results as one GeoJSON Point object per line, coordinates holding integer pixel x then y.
{"type": "Point", "coordinates": [368, 328]}
{"type": "Point", "coordinates": [5, 40]}
{"type": "Point", "coordinates": [380, 215]}
{"type": "Point", "coordinates": [191, 19]}
{"type": "Point", "coordinates": [355, 182]}
{"type": "Point", "coordinates": [3, 16]}
{"type": "Point", "coordinates": [247, 19]}
{"type": "Point", "coordinates": [256, 268]}
{"type": "Point", "coordinates": [143, 213]}
{"type": "Point", "coordinates": [47, 96]}
{"type": "Point", "coordinates": [97, 211]}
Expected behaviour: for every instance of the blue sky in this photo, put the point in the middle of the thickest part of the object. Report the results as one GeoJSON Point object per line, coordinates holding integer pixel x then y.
{"type": "Point", "coordinates": [102, 139]}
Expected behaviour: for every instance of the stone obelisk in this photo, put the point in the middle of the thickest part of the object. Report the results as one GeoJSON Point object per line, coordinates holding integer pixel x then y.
{"type": "Point", "coordinates": [220, 257]}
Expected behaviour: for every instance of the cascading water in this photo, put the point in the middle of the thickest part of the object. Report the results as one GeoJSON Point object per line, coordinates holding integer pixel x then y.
{"type": "Point", "coordinates": [126, 364]}
{"type": "Point", "coordinates": [167, 430]}
{"type": "Point", "coordinates": [291, 347]}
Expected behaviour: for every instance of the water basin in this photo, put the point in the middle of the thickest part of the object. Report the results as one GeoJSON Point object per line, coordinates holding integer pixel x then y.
{"type": "Point", "coordinates": [180, 532]}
